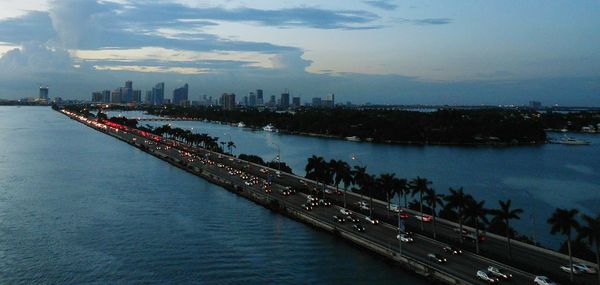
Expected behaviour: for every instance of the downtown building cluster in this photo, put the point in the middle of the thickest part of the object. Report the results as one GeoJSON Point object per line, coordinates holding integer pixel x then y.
{"type": "Point", "coordinates": [180, 97]}
{"type": "Point", "coordinates": [155, 96]}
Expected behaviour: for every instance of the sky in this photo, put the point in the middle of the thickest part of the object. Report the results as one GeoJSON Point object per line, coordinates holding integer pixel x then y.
{"type": "Point", "coordinates": [378, 51]}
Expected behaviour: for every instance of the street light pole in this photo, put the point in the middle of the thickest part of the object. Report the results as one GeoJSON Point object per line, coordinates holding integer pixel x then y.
{"type": "Point", "coordinates": [278, 157]}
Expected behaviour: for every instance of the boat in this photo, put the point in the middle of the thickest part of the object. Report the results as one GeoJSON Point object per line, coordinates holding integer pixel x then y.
{"type": "Point", "coordinates": [571, 141]}
{"type": "Point", "coordinates": [270, 128]}
{"type": "Point", "coordinates": [241, 125]}
{"type": "Point", "coordinates": [353, 139]}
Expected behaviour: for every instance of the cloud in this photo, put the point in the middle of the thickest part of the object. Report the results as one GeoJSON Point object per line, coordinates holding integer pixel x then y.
{"type": "Point", "coordinates": [36, 58]}
{"type": "Point", "coordinates": [427, 21]}
{"type": "Point", "coordinates": [382, 4]}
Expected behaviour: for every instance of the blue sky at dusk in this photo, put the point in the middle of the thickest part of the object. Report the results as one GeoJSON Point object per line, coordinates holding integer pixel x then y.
{"type": "Point", "coordinates": [379, 51]}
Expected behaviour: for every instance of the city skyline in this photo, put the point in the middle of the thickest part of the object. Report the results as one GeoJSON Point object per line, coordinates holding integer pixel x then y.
{"type": "Point", "coordinates": [388, 52]}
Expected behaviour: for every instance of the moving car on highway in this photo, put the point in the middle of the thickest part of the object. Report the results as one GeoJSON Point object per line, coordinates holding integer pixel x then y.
{"type": "Point", "coordinates": [372, 220]}
{"type": "Point", "coordinates": [567, 268]}
{"type": "Point", "coordinates": [404, 238]}
{"type": "Point", "coordinates": [423, 217]}
{"type": "Point", "coordinates": [437, 258]}
{"type": "Point", "coordinates": [485, 276]}
{"type": "Point", "coordinates": [499, 273]}
{"type": "Point", "coordinates": [358, 228]}
{"type": "Point", "coordinates": [543, 280]}
{"type": "Point", "coordinates": [452, 250]}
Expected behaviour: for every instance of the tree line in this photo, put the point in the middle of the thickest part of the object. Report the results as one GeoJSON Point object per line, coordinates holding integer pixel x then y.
{"type": "Point", "coordinates": [444, 126]}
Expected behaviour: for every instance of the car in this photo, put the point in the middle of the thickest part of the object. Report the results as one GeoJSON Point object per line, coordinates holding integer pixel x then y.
{"type": "Point", "coordinates": [338, 192]}
{"type": "Point", "coordinates": [306, 207]}
{"type": "Point", "coordinates": [403, 214]}
{"type": "Point", "coordinates": [338, 219]}
{"type": "Point", "coordinates": [471, 237]}
{"type": "Point", "coordinates": [404, 238]}
{"type": "Point", "coordinates": [328, 191]}
{"type": "Point", "coordinates": [457, 230]}
{"type": "Point", "coordinates": [394, 208]}
{"type": "Point", "coordinates": [436, 257]}
{"type": "Point", "coordinates": [495, 271]}
{"type": "Point", "coordinates": [567, 268]}
{"type": "Point", "coordinates": [585, 268]}
{"type": "Point", "coordinates": [345, 211]}
{"type": "Point", "coordinates": [324, 202]}
{"type": "Point", "coordinates": [373, 221]}
{"type": "Point", "coordinates": [352, 218]}
{"type": "Point", "coordinates": [452, 250]}
{"type": "Point", "coordinates": [424, 218]}
{"type": "Point", "coordinates": [485, 276]}
{"type": "Point", "coordinates": [310, 198]}
{"type": "Point", "coordinates": [359, 228]}
{"type": "Point", "coordinates": [284, 192]}
{"type": "Point", "coordinates": [543, 280]}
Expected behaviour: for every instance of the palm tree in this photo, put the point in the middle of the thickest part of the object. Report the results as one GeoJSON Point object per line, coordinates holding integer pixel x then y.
{"type": "Point", "coordinates": [359, 173]}
{"type": "Point", "coordinates": [505, 214]}
{"type": "Point", "coordinates": [420, 185]}
{"type": "Point", "coordinates": [343, 174]}
{"type": "Point", "coordinates": [401, 188]}
{"type": "Point", "coordinates": [458, 200]}
{"type": "Point", "coordinates": [386, 181]}
{"type": "Point", "coordinates": [433, 200]}
{"type": "Point", "coordinates": [476, 212]}
{"type": "Point", "coordinates": [231, 146]}
{"type": "Point", "coordinates": [315, 168]}
{"type": "Point", "coordinates": [591, 231]}
{"type": "Point", "coordinates": [564, 221]}
{"type": "Point", "coordinates": [370, 182]}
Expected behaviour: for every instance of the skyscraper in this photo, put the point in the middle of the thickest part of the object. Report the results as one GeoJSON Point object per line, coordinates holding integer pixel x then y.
{"type": "Point", "coordinates": [259, 97]}
{"type": "Point", "coordinates": [228, 101]}
{"type": "Point", "coordinates": [127, 92]}
{"type": "Point", "coordinates": [148, 98]}
{"type": "Point", "coordinates": [137, 96]}
{"type": "Point", "coordinates": [296, 102]}
{"type": "Point", "coordinates": [252, 99]}
{"type": "Point", "coordinates": [97, 97]}
{"type": "Point", "coordinates": [115, 96]}
{"type": "Point", "coordinates": [158, 94]}
{"type": "Point", "coordinates": [273, 101]}
{"type": "Point", "coordinates": [316, 102]}
{"type": "Point", "coordinates": [285, 100]}
{"type": "Point", "coordinates": [180, 95]}
{"type": "Point", "coordinates": [105, 96]}
{"type": "Point", "coordinates": [43, 93]}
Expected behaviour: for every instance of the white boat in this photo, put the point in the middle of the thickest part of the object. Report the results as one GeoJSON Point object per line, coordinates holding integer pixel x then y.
{"type": "Point", "coordinates": [571, 141]}
{"type": "Point", "coordinates": [353, 139]}
{"type": "Point", "coordinates": [241, 125]}
{"type": "Point", "coordinates": [270, 128]}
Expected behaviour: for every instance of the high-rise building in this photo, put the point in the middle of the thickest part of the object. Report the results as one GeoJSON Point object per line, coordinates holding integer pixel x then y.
{"type": "Point", "coordinates": [127, 92]}
{"type": "Point", "coordinates": [97, 97]}
{"type": "Point", "coordinates": [180, 94]}
{"type": "Point", "coordinates": [115, 96]}
{"type": "Point", "coordinates": [285, 100]}
{"type": "Point", "coordinates": [228, 101]}
{"type": "Point", "coordinates": [245, 100]}
{"type": "Point", "coordinates": [105, 96]}
{"type": "Point", "coordinates": [273, 101]}
{"type": "Point", "coordinates": [329, 101]}
{"type": "Point", "coordinates": [137, 96]}
{"type": "Point", "coordinates": [148, 98]}
{"type": "Point", "coordinates": [259, 95]}
{"type": "Point", "coordinates": [296, 102]}
{"type": "Point", "coordinates": [43, 93]}
{"type": "Point", "coordinates": [129, 84]}
{"type": "Point", "coordinates": [316, 102]}
{"type": "Point", "coordinates": [252, 99]}
{"type": "Point", "coordinates": [158, 94]}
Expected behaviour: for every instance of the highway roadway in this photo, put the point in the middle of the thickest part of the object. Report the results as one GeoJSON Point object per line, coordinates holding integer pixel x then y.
{"type": "Point", "coordinates": [463, 266]}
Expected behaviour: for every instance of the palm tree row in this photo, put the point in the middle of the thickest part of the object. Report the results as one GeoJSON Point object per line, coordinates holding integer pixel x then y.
{"type": "Point", "coordinates": [564, 221]}
{"type": "Point", "coordinates": [187, 136]}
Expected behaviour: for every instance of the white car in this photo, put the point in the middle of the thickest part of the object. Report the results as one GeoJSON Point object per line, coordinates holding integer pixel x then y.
{"type": "Point", "coordinates": [328, 191]}
{"type": "Point", "coordinates": [372, 220]}
{"type": "Point", "coordinates": [485, 276]}
{"type": "Point", "coordinates": [499, 273]}
{"type": "Point", "coordinates": [345, 212]}
{"type": "Point", "coordinates": [585, 268]}
{"type": "Point", "coordinates": [567, 268]}
{"type": "Point", "coordinates": [404, 238]}
{"type": "Point", "coordinates": [394, 208]}
{"type": "Point", "coordinates": [543, 280]}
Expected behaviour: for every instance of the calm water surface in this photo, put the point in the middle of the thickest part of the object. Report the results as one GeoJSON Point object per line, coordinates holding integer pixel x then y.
{"type": "Point", "coordinates": [537, 178]}
{"type": "Point", "coordinates": [77, 206]}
